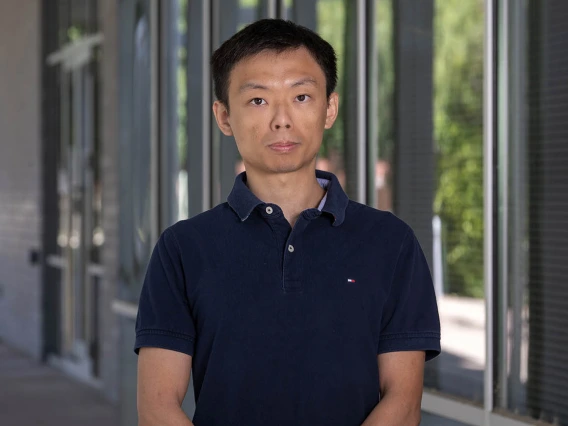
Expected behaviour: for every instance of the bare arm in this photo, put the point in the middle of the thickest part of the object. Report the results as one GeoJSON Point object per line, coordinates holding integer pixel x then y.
{"type": "Point", "coordinates": [163, 378]}
{"type": "Point", "coordinates": [401, 382]}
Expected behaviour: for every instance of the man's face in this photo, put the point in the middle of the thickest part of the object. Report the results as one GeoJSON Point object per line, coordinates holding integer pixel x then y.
{"type": "Point", "coordinates": [278, 111]}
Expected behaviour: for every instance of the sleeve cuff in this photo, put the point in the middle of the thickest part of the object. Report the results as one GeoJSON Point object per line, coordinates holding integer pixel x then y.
{"type": "Point", "coordinates": [426, 341]}
{"type": "Point", "coordinates": [165, 340]}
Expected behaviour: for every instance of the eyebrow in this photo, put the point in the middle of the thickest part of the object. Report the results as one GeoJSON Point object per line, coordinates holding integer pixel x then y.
{"type": "Point", "coordinates": [253, 86]}
{"type": "Point", "coordinates": [305, 81]}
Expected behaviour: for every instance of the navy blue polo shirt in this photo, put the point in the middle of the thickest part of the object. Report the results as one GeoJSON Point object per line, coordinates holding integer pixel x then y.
{"type": "Point", "coordinates": [285, 325]}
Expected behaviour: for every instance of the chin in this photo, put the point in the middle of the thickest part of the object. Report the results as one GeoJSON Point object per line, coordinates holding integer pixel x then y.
{"type": "Point", "coordinates": [286, 167]}
{"type": "Point", "coordinates": [283, 165]}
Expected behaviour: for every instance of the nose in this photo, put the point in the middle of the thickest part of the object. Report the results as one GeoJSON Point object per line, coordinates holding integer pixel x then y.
{"type": "Point", "coordinates": [281, 119]}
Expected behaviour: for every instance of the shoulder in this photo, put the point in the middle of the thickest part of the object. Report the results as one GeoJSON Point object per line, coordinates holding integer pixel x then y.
{"type": "Point", "coordinates": [204, 227]}
{"type": "Point", "coordinates": [219, 217]}
{"type": "Point", "coordinates": [369, 220]}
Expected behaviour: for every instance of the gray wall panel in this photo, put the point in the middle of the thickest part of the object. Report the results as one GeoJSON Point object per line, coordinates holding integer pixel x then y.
{"type": "Point", "coordinates": [20, 171]}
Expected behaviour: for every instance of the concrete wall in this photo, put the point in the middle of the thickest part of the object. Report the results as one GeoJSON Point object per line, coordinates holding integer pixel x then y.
{"type": "Point", "coordinates": [20, 170]}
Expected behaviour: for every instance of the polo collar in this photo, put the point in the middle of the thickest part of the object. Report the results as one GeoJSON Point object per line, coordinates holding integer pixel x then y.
{"type": "Point", "coordinates": [243, 201]}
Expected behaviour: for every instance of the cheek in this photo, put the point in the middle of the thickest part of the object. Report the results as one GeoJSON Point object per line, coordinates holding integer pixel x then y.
{"type": "Point", "coordinates": [255, 133]}
{"type": "Point", "coordinates": [314, 123]}
{"type": "Point", "coordinates": [317, 117]}
{"type": "Point", "coordinates": [246, 134]}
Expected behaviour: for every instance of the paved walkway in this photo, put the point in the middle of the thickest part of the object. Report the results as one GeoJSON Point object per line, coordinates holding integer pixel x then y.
{"type": "Point", "coordinates": [33, 394]}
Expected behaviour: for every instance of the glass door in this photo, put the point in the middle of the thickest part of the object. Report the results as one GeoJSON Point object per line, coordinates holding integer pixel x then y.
{"type": "Point", "coordinates": [80, 236]}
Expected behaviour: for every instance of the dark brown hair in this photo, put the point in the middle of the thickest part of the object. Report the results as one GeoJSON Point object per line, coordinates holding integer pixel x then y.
{"type": "Point", "coordinates": [275, 35]}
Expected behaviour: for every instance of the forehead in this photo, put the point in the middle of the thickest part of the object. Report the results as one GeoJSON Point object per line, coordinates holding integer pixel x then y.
{"type": "Point", "coordinates": [274, 67]}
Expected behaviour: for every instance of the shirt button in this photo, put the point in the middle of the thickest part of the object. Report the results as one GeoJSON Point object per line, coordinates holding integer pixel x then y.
{"type": "Point", "coordinates": [291, 248]}
{"type": "Point", "coordinates": [269, 210]}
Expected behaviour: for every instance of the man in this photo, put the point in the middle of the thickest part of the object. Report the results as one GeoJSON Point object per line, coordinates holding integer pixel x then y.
{"type": "Point", "coordinates": [291, 304]}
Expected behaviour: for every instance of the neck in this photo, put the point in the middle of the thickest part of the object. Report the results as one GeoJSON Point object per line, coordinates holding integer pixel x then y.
{"type": "Point", "coordinates": [292, 192]}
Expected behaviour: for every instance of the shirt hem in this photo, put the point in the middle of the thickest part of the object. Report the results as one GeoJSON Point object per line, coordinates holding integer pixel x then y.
{"type": "Point", "coordinates": [428, 342]}
{"type": "Point", "coordinates": [164, 340]}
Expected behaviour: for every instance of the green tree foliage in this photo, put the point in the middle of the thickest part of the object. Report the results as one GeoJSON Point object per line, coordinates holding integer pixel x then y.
{"type": "Point", "coordinates": [458, 135]}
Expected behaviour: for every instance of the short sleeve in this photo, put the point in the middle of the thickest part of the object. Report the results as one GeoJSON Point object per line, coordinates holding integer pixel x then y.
{"type": "Point", "coordinates": [410, 320]}
{"type": "Point", "coordinates": [164, 317]}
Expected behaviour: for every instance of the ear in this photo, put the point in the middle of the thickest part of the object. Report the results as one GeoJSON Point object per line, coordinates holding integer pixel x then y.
{"type": "Point", "coordinates": [332, 110]}
{"type": "Point", "coordinates": [222, 117]}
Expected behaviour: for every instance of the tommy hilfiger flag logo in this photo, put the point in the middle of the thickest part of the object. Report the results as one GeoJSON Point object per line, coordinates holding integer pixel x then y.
{"type": "Point", "coordinates": [350, 280]}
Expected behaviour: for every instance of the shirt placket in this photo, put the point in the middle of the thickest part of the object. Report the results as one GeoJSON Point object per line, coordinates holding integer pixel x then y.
{"type": "Point", "coordinates": [293, 259]}
{"type": "Point", "coordinates": [289, 242]}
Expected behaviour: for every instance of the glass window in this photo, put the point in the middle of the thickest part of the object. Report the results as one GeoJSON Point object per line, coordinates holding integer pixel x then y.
{"type": "Point", "coordinates": [181, 91]}
{"type": "Point", "coordinates": [141, 141]}
{"type": "Point", "coordinates": [137, 161]}
{"type": "Point", "coordinates": [458, 203]}
{"type": "Point", "coordinates": [174, 200]}
{"type": "Point", "coordinates": [331, 25]}
{"type": "Point", "coordinates": [430, 169]}
{"type": "Point", "coordinates": [383, 168]}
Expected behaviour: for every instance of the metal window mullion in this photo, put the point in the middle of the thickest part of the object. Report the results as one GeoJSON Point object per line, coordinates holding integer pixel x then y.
{"type": "Point", "coordinates": [90, 302]}
{"type": "Point", "coordinates": [281, 11]}
{"type": "Point", "coordinates": [207, 117]}
{"type": "Point", "coordinates": [488, 189]}
{"type": "Point", "coordinates": [77, 178]}
{"type": "Point", "coordinates": [503, 144]}
{"type": "Point", "coordinates": [154, 119]}
{"type": "Point", "coordinates": [361, 148]}
{"type": "Point", "coordinates": [66, 289]}
{"type": "Point", "coordinates": [164, 114]}
{"type": "Point", "coordinates": [518, 181]}
{"type": "Point", "coordinates": [198, 105]}
{"type": "Point", "coordinates": [221, 18]}
{"type": "Point", "coordinates": [372, 102]}
{"type": "Point", "coordinates": [271, 8]}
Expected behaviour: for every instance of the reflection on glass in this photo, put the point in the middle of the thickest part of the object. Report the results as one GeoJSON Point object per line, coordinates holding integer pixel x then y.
{"type": "Point", "coordinates": [141, 142]}
{"type": "Point", "coordinates": [384, 44]}
{"type": "Point", "coordinates": [181, 91]}
{"type": "Point", "coordinates": [458, 204]}
{"type": "Point", "coordinates": [331, 26]}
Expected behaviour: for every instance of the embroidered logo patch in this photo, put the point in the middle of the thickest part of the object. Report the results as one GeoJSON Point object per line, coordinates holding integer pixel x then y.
{"type": "Point", "coordinates": [350, 280]}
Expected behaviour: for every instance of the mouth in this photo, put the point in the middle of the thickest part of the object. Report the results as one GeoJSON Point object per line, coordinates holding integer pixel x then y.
{"type": "Point", "coordinates": [283, 146]}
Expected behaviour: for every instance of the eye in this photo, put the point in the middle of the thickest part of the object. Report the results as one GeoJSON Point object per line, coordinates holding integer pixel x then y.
{"type": "Point", "coordinates": [258, 101]}
{"type": "Point", "coordinates": [302, 98]}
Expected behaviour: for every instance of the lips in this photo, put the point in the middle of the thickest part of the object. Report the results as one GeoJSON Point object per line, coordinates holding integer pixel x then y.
{"type": "Point", "coordinates": [283, 146]}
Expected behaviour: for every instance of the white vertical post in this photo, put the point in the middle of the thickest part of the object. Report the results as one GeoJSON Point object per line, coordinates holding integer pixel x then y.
{"type": "Point", "coordinates": [488, 146]}
{"type": "Point", "coordinates": [437, 256]}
